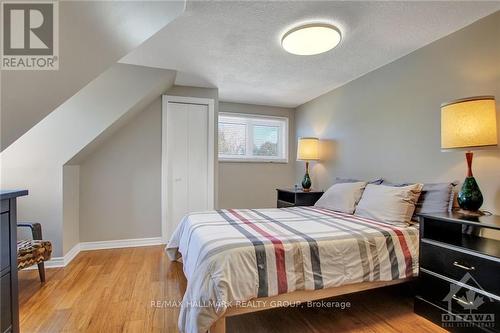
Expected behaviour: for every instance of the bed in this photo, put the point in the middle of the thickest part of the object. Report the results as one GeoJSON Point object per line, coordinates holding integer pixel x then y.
{"type": "Point", "coordinates": [244, 260]}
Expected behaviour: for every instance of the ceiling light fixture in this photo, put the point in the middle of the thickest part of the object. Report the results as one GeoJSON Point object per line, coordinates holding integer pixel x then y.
{"type": "Point", "coordinates": [311, 39]}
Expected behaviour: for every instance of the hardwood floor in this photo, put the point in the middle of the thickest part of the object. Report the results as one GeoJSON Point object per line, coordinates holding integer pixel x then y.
{"type": "Point", "coordinates": [113, 291]}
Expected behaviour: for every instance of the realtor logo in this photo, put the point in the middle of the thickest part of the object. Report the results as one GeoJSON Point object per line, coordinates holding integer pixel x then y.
{"type": "Point", "coordinates": [30, 37]}
{"type": "Point", "coordinates": [468, 312]}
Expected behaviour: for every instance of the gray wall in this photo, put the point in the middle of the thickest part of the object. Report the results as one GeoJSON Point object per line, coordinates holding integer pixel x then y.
{"type": "Point", "coordinates": [387, 123]}
{"type": "Point", "coordinates": [120, 182]}
{"type": "Point", "coordinates": [250, 184]}
{"type": "Point", "coordinates": [71, 206]}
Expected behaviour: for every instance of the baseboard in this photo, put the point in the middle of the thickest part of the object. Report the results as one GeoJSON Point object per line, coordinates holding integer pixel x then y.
{"type": "Point", "coordinates": [120, 243]}
{"type": "Point", "coordinates": [56, 262]}
{"type": "Point", "coordinates": [52, 263]}
{"type": "Point", "coordinates": [68, 257]}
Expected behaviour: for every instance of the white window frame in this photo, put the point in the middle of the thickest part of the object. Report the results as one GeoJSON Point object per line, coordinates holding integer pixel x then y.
{"type": "Point", "coordinates": [255, 119]}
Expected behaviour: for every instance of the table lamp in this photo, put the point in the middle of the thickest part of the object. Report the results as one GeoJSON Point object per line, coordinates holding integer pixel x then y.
{"type": "Point", "coordinates": [307, 150]}
{"type": "Point", "coordinates": [469, 124]}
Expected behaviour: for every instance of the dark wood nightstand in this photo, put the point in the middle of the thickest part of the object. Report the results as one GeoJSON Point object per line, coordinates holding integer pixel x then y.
{"type": "Point", "coordinates": [459, 280]}
{"type": "Point", "coordinates": [288, 197]}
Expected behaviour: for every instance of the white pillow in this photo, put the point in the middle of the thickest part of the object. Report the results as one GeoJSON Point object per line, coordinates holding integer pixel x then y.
{"type": "Point", "coordinates": [389, 204]}
{"type": "Point", "coordinates": [342, 197]}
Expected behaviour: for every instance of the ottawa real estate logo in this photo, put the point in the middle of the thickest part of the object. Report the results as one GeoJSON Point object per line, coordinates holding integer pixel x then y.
{"type": "Point", "coordinates": [30, 35]}
{"type": "Point", "coordinates": [467, 302]}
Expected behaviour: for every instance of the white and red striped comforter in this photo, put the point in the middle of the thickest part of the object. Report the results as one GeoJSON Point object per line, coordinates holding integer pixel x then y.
{"type": "Point", "coordinates": [235, 255]}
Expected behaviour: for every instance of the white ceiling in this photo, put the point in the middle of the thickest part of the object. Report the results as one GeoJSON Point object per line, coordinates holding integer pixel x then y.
{"type": "Point", "coordinates": [235, 46]}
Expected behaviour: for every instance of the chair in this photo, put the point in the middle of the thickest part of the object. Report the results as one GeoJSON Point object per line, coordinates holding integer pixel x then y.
{"type": "Point", "coordinates": [33, 251]}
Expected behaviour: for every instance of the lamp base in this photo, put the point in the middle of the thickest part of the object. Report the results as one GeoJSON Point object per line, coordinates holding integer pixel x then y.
{"type": "Point", "coordinates": [306, 183]}
{"type": "Point", "coordinates": [470, 197]}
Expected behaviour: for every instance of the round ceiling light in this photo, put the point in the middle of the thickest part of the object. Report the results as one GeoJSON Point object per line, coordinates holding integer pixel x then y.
{"type": "Point", "coordinates": [311, 39]}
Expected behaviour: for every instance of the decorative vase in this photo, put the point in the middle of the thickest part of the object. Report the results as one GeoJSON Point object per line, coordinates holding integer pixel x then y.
{"type": "Point", "coordinates": [306, 181]}
{"type": "Point", "coordinates": [470, 197]}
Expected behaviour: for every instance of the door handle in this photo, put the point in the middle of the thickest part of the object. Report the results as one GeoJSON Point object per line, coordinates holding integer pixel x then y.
{"type": "Point", "coordinates": [467, 268]}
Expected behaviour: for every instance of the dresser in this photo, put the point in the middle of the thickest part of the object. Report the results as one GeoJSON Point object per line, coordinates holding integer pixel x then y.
{"type": "Point", "coordinates": [9, 312]}
{"type": "Point", "coordinates": [296, 197]}
{"type": "Point", "coordinates": [459, 281]}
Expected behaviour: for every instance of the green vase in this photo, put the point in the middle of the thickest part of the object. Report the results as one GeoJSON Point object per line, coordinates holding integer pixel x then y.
{"type": "Point", "coordinates": [470, 197]}
{"type": "Point", "coordinates": [306, 182]}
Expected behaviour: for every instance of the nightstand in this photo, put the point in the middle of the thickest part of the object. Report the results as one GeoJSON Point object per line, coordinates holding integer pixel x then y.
{"type": "Point", "coordinates": [291, 197]}
{"type": "Point", "coordinates": [459, 279]}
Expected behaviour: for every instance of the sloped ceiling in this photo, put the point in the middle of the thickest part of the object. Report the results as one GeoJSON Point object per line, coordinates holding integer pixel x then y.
{"type": "Point", "coordinates": [93, 35]}
{"type": "Point", "coordinates": [35, 161]}
{"type": "Point", "coordinates": [235, 46]}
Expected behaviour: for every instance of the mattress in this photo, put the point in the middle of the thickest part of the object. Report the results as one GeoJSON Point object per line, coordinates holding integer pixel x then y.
{"type": "Point", "coordinates": [235, 255]}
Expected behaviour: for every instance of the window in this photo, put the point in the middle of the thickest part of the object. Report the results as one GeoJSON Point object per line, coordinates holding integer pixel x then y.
{"type": "Point", "coordinates": [253, 138]}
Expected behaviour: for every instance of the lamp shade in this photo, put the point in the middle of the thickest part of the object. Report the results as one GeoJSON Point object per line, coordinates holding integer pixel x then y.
{"type": "Point", "coordinates": [308, 149]}
{"type": "Point", "coordinates": [469, 123]}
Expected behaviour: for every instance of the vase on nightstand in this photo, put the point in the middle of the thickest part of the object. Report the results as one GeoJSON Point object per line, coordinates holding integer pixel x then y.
{"type": "Point", "coordinates": [306, 182]}
{"type": "Point", "coordinates": [470, 197]}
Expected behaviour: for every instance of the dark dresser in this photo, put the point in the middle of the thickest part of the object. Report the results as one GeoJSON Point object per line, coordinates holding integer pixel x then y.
{"type": "Point", "coordinates": [459, 279]}
{"type": "Point", "coordinates": [291, 197]}
{"type": "Point", "coordinates": [9, 312]}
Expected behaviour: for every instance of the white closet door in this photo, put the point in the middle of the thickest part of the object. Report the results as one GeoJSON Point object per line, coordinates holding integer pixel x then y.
{"type": "Point", "coordinates": [187, 157]}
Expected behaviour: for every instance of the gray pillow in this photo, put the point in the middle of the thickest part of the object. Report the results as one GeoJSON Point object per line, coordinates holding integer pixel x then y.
{"type": "Point", "coordinates": [394, 205]}
{"type": "Point", "coordinates": [434, 198]}
{"type": "Point", "coordinates": [338, 180]}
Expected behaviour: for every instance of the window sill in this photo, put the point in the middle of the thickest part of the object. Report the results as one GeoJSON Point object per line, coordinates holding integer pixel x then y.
{"type": "Point", "coordinates": [256, 160]}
